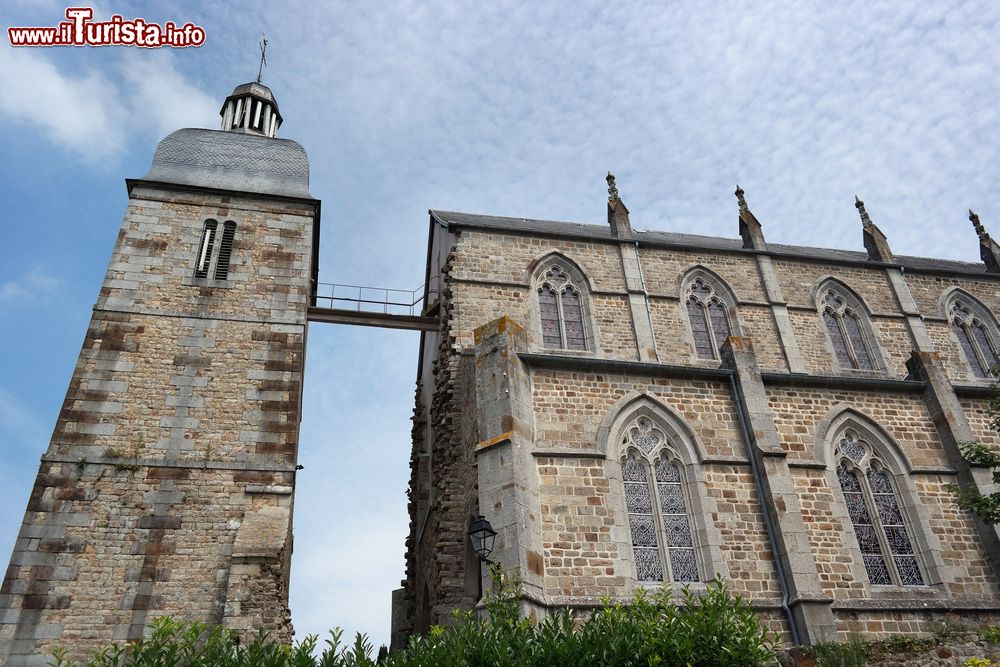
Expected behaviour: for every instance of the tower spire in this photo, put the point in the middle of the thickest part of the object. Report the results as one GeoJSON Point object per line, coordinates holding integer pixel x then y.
{"type": "Point", "coordinates": [876, 243]}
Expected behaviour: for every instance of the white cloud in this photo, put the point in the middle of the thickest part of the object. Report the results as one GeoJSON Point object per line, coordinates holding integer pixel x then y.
{"type": "Point", "coordinates": [35, 283]}
{"type": "Point", "coordinates": [95, 113]}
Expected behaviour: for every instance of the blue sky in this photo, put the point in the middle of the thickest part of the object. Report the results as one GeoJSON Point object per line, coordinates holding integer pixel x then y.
{"type": "Point", "coordinates": [508, 108]}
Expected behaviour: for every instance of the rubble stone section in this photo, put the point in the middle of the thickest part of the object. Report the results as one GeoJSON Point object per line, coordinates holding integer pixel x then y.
{"type": "Point", "coordinates": [167, 487]}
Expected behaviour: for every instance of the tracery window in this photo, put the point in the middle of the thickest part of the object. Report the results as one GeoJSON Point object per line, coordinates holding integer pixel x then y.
{"type": "Point", "coordinates": [873, 506]}
{"type": "Point", "coordinates": [662, 541]}
{"type": "Point", "coordinates": [710, 324]}
{"type": "Point", "coordinates": [974, 337]}
{"type": "Point", "coordinates": [561, 308]}
{"type": "Point", "coordinates": [848, 330]}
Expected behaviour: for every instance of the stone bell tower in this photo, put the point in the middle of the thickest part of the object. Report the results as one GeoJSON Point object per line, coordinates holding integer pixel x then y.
{"type": "Point", "coordinates": [168, 485]}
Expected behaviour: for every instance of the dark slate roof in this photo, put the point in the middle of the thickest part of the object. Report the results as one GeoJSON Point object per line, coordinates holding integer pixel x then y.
{"type": "Point", "coordinates": [232, 161]}
{"type": "Point", "coordinates": [694, 241]}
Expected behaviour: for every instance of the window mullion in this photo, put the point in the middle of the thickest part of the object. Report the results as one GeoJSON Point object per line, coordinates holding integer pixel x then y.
{"type": "Point", "coordinates": [562, 319]}
{"type": "Point", "coordinates": [711, 329]}
{"type": "Point", "coordinates": [661, 529]}
{"type": "Point", "coordinates": [977, 348]}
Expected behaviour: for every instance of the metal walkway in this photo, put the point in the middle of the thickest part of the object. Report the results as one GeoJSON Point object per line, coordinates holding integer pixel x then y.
{"type": "Point", "coordinates": [375, 306]}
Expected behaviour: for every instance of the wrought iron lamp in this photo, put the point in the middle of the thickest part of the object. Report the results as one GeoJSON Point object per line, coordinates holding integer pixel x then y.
{"type": "Point", "coordinates": [483, 538]}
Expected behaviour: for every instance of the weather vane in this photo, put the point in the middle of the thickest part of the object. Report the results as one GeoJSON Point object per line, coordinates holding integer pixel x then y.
{"type": "Point", "coordinates": [263, 56]}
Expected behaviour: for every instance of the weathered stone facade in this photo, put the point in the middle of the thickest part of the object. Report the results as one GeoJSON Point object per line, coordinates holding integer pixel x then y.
{"type": "Point", "coordinates": [168, 484]}
{"type": "Point", "coordinates": [531, 430]}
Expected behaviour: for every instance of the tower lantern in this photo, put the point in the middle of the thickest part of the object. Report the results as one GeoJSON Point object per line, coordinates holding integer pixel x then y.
{"type": "Point", "coordinates": [252, 109]}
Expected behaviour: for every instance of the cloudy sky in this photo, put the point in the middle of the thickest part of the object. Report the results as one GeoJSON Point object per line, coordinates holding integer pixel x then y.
{"type": "Point", "coordinates": [508, 108]}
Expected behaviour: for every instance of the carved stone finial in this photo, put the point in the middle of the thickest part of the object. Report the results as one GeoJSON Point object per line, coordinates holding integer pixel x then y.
{"type": "Point", "coordinates": [984, 236]}
{"type": "Point", "coordinates": [612, 189]}
{"type": "Point", "coordinates": [742, 202]}
{"type": "Point", "coordinates": [860, 205]}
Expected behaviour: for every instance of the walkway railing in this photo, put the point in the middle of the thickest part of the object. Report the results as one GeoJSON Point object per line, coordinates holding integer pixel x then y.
{"type": "Point", "coordinates": [365, 299]}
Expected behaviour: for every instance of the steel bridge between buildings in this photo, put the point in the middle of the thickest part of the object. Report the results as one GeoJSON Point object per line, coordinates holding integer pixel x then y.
{"type": "Point", "coordinates": [383, 307]}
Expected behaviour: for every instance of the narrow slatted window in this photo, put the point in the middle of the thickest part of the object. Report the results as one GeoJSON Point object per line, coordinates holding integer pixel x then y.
{"type": "Point", "coordinates": [639, 502]}
{"type": "Point", "coordinates": [699, 329]}
{"type": "Point", "coordinates": [676, 527]}
{"type": "Point", "coordinates": [225, 251]}
{"type": "Point", "coordinates": [573, 318]}
{"type": "Point", "coordinates": [205, 249]}
{"type": "Point", "coordinates": [857, 339]}
{"type": "Point", "coordinates": [550, 316]}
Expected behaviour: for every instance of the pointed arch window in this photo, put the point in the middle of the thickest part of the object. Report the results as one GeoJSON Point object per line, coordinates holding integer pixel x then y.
{"type": "Point", "coordinates": [848, 329]}
{"type": "Point", "coordinates": [978, 342]}
{"type": "Point", "coordinates": [707, 313]}
{"type": "Point", "coordinates": [874, 509]}
{"type": "Point", "coordinates": [662, 542]}
{"type": "Point", "coordinates": [561, 309]}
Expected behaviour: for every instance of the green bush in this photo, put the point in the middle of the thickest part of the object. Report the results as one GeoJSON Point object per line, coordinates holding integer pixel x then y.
{"type": "Point", "coordinates": [711, 628]}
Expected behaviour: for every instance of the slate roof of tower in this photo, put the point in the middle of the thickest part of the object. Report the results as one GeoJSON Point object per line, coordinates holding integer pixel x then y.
{"type": "Point", "coordinates": [694, 241]}
{"type": "Point", "coordinates": [232, 161]}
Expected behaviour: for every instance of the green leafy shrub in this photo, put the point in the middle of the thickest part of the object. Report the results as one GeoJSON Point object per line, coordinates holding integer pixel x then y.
{"type": "Point", "coordinates": [710, 628]}
{"type": "Point", "coordinates": [841, 654]}
{"type": "Point", "coordinates": [992, 634]}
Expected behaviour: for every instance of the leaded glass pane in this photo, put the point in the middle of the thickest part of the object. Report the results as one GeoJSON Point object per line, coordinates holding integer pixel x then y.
{"type": "Point", "coordinates": [633, 471]}
{"type": "Point", "coordinates": [573, 319]}
{"type": "Point", "coordinates": [853, 326]}
{"type": "Point", "coordinates": [720, 325]}
{"type": "Point", "coordinates": [837, 338]}
{"type": "Point", "coordinates": [637, 498]}
{"type": "Point", "coordinates": [888, 510]}
{"type": "Point", "coordinates": [556, 276]}
{"type": "Point", "coordinates": [834, 301]}
{"type": "Point", "coordinates": [549, 310]}
{"type": "Point", "coordinates": [700, 289]}
{"type": "Point", "coordinates": [983, 341]}
{"type": "Point", "coordinates": [909, 572]}
{"type": "Point", "coordinates": [965, 341]}
{"type": "Point", "coordinates": [852, 448]}
{"type": "Point", "coordinates": [644, 436]}
{"type": "Point", "coordinates": [878, 573]}
{"type": "Point", "coordinates": [856, 508]}
{"type": "Point", "coordinates": [647, 564]}
{"type": "Point", "coordinates": [867, 539]}
{"type": "Point", "coordinates": [848, 480]}
{"type": "Point", "coordinates": [899, 543]}
{"type": "Point", "coordinates": [683, 566]}
{"type": "Point", "coordinates": [678, 531]}
{"type": "Point", "coordinates": [643, 530]}
{"type": "Point", "coordinates": [667, 472]}
{"type": "Point", "coordinates": [699, 327]}
{"type": "Point", "coordinates": [671, 499]}
{"type": "Point", "coordinates": [879, 481]}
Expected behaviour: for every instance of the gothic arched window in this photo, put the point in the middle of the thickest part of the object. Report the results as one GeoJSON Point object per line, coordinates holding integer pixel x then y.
{"type": "Point", "coordinates": [976, 334]}
{"type": "Point", "coordinates": [875, 512]}
{"type": "Point", "coordinates": [561, 308]}
{"type": "Point", "coordinates": [847, 326]}
{"type": "Point", "coordinates": [662, 541]}
{"type": "Point", "coordinates": [709, 305]}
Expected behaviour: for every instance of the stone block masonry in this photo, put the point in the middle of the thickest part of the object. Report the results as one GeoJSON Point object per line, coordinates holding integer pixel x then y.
{"type": "Point", "coordinates": [167, 485]}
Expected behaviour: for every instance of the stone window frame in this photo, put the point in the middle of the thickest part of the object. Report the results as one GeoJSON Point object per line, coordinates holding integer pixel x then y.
{"type": "Point", "coordinates": [720, 290]}
{"type": "Point", "coordinates": [690, 453]}
{"type": "Point", "coordinates": [578, 278]}
{"type": "Point", "coordinates": [856, 305]}
{"type": "Point", "coordinates": [207, 276]}
{"type": "Point", "coordinates": [840, 420]}
{"type": "Point", "coordinates": [978, 311]}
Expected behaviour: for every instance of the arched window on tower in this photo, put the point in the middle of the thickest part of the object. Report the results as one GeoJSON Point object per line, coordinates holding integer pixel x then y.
{"type": "Point", "coordinates": [846, 323]}
{"type": "Point", "coordinates": [876, 515]}
{"type": "Point", "coordinates": [562, 307]}
{"type": "Point", "coordinates": [662, 541]}
{"type": "Point", "coordinates": [975, 329]}
{"type": "Point", "coordinates": [711, 310]}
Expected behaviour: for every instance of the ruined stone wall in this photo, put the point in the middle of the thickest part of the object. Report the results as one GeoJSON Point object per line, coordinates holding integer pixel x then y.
{"type": "Point", "coordinates": [167, 486]}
